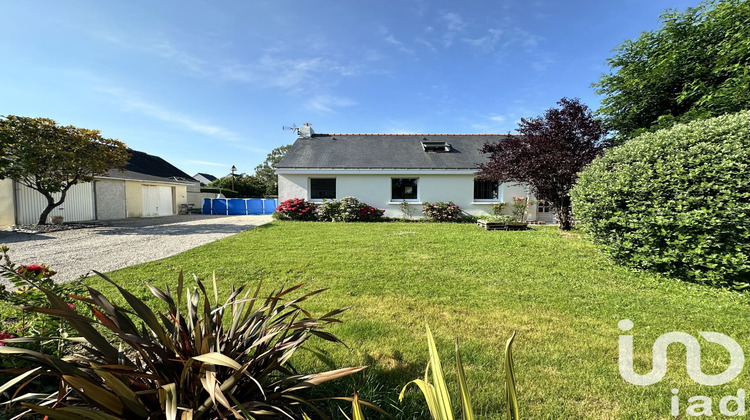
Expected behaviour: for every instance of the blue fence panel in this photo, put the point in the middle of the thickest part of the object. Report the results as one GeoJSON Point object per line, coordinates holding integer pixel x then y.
{"type": "Point", "coordinates": [220, 206]}
{"type": "Point", "coordinates": [255, 206]}
{"type": "Point", "coordinates": [237, 206]}
{"type": "Point", "coordinates": [269, 205]}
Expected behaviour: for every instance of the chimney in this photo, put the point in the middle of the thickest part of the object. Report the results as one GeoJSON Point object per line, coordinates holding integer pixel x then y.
{"type": "Point", "coordinates": [306, 131]}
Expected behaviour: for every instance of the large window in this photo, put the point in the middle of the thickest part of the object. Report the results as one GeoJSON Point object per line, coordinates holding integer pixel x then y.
{"type": "Point", "coordinates": [485, 190]}
{"type": "Point", "coordinates": [403, 189]}
{"type": "Point", "coordinates": [322, 188]}
{"type": "Point", "coordinates": [544, 206]}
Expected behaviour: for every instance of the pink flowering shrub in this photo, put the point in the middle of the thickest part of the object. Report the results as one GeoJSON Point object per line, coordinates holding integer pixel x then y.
{"type": "Point", "coordinates": [348, 209]}
{"type": "Point", "coordinates": [441, 211]}
{"type": "Point", "coordinates": [297, 209]}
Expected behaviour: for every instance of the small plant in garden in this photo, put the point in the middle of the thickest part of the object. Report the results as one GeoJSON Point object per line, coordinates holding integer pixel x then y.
{"type": "Point", "coordinates": [201, 358]}
{"type": "Point", "coordinates": [406, 209]}
{"type": "Point", "coordinates": [442, 212]}
{"type": "Point", "coordinates": [497, 208]}
{"type": "Point", "coordinates": [436, 391]}
{"type": "Point", "coordinates": [519, 207]}
{"type": "Point", "coordinates": [23, 294]}
{"type": "Point", "coordinates": [297, 209]}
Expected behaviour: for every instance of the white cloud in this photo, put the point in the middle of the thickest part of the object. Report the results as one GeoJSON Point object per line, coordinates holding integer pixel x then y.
{"type": "Point", "coordinates": [206, 163]}
{"type": "Point", "coordinates": [454, 24]}
{"type": "Point", "coordinates": [486, 42]}
{"type": "Point", "coordinates": [131, 102]}
{"type": "Point", "coordinates": [326, 103]}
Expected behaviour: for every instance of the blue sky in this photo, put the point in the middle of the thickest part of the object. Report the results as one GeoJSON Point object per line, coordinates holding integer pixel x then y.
{"type": "Point", "coordinates": [207, 85]}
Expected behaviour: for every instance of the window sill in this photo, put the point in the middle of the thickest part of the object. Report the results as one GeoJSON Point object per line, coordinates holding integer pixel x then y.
{"type": "Point", "coordinates": [486, 202]}
{"type": "Point", "coordinates": [396, 203]}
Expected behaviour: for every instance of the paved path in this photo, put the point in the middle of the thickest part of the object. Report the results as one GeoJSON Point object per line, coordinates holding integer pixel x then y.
{"type": "Point", "coordinates": [122, 243]}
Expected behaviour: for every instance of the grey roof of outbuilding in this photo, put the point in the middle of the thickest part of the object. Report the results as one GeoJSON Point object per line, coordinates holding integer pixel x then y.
{"type": "Point", "coordinates": [386, 151]}
{"type": "Point", "coordinates": [144, 167]}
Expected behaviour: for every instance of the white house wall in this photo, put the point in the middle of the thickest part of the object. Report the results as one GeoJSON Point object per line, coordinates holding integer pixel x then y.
{"type": "Point", "coordinates": [375, 190]}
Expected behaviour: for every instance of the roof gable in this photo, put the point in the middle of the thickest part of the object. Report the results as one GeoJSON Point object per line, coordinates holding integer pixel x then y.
{"type": "Point", "coordinates": [387, 151]}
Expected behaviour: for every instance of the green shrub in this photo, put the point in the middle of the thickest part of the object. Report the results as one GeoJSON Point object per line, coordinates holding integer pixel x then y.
{"type": "Point", "coordinates": [497, 208]}
{"type": "Point", "coordinates": [675, 201]}
{"type": "Point", "coordinates": [329, 211]}
{"type": "Point", "coordinates": [441, 211]}
{"type": "Point", "coordinates": [348, 209]}
{"type": "Point", "coordinates": [201, 358]}
{"type": "Point", "coordinates": [520, 207]}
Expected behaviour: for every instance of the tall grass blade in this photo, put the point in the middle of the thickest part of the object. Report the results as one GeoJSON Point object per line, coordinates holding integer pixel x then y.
{"type": "Point", "coordinates": [511, 407]}
{"type": "Point", "coordinates": [441, 389]}
{"type": "Point", "coordinates": [467, 413]}
{"type": "Point", "coordinates": [357, 413]}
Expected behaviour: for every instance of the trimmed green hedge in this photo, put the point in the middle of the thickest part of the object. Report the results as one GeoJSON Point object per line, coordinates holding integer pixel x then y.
{"type": "Point", "coordinates": [675, 201]}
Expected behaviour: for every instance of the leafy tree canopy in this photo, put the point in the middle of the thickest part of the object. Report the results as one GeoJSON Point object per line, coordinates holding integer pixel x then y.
{"type": "Point", "coordinates": [266, 171]}
{"type": "Point", "coordinates": [697, 65]}
{"type": "Point", "coordinates": [548, 154]}
{"type": "Point", "coordinates": [50, 158]}
{"type": "Point", "coordinates": [245, 185]}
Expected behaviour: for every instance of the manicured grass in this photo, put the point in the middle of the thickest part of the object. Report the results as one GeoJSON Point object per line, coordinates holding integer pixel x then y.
{"type": "Point", "coordinates": [562, 296]}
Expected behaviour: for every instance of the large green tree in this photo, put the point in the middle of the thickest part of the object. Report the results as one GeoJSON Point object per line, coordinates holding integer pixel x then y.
{"type": "Point", "coordinates": [50, 158]}
{"type": "Point", "coordinates": [266, 171]}
{"type": "Point", "coordinates": [697, 65]}
{"type": "Point", "coordinates": [245, 185]}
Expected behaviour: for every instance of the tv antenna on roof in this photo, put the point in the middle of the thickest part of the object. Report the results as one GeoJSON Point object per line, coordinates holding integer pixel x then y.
{"type": "Point", "coordinates": [292, 127]}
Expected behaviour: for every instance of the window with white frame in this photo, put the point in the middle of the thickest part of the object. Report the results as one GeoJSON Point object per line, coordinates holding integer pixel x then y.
{"type": "Point", "coordinates": [404, 189]}
{"type": "Point", "coordinates": [544, 206]}
{"type": "Point", "coordinates": [321, 188]}
{"type": "Point", "coordinates": [486, 190]}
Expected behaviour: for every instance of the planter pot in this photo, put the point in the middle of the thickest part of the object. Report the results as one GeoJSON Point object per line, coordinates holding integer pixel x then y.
{"type": "Point", "coordinates": [56, 220]}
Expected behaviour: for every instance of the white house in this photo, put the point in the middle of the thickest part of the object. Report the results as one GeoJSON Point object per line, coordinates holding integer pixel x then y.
{"type": "Point", "coordinates": [384, 170]}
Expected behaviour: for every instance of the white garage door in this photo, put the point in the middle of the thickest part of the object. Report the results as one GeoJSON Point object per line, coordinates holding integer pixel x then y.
{"type": "Point", "coordinates": [157, 201]}
{"type": "Point", "coordinates": [78, 205]}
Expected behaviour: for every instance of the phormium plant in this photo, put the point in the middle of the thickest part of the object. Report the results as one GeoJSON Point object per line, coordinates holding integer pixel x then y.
{"type": "Point", "coordinates": [201, 358]}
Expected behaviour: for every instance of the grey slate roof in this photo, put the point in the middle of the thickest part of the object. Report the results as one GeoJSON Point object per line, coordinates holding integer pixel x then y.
{"type": "Point", "coordinates": [144, 167]}
{"type": "Point", "coordinates": [386, 151]}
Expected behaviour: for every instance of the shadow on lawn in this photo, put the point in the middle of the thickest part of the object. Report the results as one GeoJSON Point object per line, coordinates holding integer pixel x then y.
{"type": "Point", "coordinates": [175, 229]}
{"type": "Point", "coordinates": [379, 384]}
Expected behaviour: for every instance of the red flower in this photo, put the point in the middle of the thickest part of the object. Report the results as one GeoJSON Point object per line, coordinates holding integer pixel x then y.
{"type": "Point", "coordinates": [4, 335]}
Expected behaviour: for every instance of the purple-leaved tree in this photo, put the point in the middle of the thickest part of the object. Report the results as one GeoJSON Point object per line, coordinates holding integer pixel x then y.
{"type": "Point", "coordinates": [548, 153]}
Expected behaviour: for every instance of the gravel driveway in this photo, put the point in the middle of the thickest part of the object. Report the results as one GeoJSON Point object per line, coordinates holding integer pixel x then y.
{"type": "Point", "coordinates": [122, 243]}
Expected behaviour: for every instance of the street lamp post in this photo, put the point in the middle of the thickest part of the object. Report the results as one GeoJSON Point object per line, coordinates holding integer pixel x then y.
{"type": "Point", "coordinates": [234, 169]}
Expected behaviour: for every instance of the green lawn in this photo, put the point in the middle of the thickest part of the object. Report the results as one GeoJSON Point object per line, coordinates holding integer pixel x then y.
{"type": "Point", "coordinates": [562, 296]}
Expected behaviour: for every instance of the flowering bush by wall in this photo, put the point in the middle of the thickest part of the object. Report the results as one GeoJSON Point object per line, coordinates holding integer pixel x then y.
{"type": "Point", "coordinates": [297, 209]}
{"type": "Point", "coordinates": [441, 211]}
{"type": "Point", "coordinates": [348, 209]}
